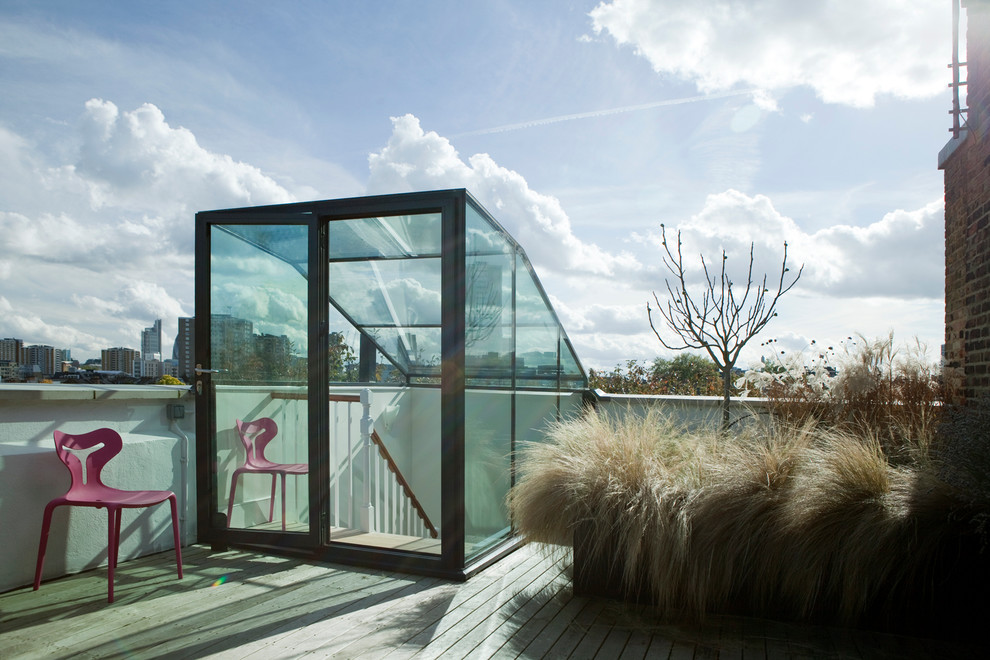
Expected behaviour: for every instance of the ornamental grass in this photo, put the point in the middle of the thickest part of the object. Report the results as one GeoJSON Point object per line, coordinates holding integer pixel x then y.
{"type": "Point", "coordinates": [810, 522]}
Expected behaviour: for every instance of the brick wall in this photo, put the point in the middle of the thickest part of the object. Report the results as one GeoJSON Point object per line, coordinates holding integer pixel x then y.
{"type": "Point", "coordinates": [967, 225]}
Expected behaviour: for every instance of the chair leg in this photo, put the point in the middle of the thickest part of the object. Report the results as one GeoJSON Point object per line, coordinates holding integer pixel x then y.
{"type": "Point", "coordinates": [175, 533]}
{"type": "Point", "coordinates": [271, 501]}
{"type": "Point", "coordinates": [283, 501]}
{"type": "Point", "coordinates": [46, 524]}
{"type": "Point", "coordinates": [233, 491]}
{"type": "Point", "coordinates": [113, 547]}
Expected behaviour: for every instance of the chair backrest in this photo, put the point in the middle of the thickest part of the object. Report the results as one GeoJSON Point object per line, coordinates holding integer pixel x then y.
{"type": "Point", "coordinates": [255, 437]}
{"type": "Point", "coordinates": [84, 478]}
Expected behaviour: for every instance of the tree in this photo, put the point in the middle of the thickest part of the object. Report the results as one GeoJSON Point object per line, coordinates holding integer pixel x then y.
{"type": "Point", "coordinates": [720, 323]}
{"type": "Point", "coordinates": [341, 357]}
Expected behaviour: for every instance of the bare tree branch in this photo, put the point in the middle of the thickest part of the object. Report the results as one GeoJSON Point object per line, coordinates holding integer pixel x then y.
{"type": "Point", "coordinates": [720, 323]}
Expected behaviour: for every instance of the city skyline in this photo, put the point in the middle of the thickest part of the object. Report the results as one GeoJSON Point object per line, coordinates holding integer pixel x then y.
{"type": "Point", "coordinates": [148, 361]}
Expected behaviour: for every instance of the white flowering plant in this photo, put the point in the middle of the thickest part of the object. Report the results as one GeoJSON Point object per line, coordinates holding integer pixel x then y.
{"type": "Point", "coordinates": [783, 373]}
{"type": "Point", "coordinates": [871, 386]}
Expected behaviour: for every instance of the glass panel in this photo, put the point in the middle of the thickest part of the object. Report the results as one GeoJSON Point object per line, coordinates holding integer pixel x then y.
{"type": "Point", "coordinates": [392, 236]}
{"type": "Point", "coordinates": [283, 242]}
{"type": "Point", "coordinates": [488, 322]}
{"type": "Point", "coordinates": [483, 237]}
{"type": "Point", "coordinates": [537, 334]}
{"type": "Point", "coordinates": [487, 468]}
{"type": "Point", "coordinates": [384, 282]}
{"type": "Point", "coordinates": [400, 293]}
{"type": "Point", "coordinates": [571, 375]}
{"type": "Point", "coordinates": [258, 331]}
{"type": "Point", "coordinates": [488, 314]}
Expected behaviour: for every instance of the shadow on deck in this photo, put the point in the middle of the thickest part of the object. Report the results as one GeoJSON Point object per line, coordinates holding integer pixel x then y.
{"type": "Point", "coordinates": [237, 604]}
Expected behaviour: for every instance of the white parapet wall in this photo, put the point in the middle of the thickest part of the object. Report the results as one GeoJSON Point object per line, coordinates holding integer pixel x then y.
{"type": "Point", "coordinates": [692, 411]}
{"type": "Point", "coordinates": [158, 454]}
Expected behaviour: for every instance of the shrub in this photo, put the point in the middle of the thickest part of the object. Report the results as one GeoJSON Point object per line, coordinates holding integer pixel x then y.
{"type": "Point", "coordinates": [810, 522]}
{"type": "Point", "coordinates": [168, 380]}
{"type": "Point", "coordinates": [870, 388]}
{"type": "Point", "coordinates": [686, 374]}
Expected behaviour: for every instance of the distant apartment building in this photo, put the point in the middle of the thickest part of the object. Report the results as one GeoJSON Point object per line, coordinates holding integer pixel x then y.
{"type": "Point", "coordinates": [232, 342]}
{"type": "Point", "coordinates": [147, 368]}
{"type": "Point", "coordinates": [12, 350]}
{"type": "Point", "coordinates": [9, 370]}
{"type": "Point", "coordinates": [119, 359]}
{"type": "Point", "coordinates": [47, 359]}
{"type": "Point", "coordinates": [183, 351]}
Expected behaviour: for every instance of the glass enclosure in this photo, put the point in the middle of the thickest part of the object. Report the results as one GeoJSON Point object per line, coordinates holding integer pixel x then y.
{"type": "Point", "coordinates": [367, 370]}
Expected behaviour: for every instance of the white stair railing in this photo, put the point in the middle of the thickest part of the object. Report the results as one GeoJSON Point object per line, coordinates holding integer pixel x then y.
{"type": "Point", "coordinates": [367, 489]}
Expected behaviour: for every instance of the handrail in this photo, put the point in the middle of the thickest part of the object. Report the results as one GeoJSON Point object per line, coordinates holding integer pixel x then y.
{"type": "Point", "coordinates": [382, 451]}
{"type": "Point", "coordinates": [406, 488]}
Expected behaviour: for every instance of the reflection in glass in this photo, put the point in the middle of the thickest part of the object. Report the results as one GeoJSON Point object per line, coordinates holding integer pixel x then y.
{"type": "Point", "coordinates": [391, 236]}
{"type": "Point", "coordinates": [258, 347]}
{"type": "Point", "coordinates": [487, 469]}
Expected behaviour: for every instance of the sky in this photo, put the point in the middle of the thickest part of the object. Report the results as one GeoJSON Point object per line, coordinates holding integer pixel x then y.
{"type": "Point", "coordinates": [581, 126]}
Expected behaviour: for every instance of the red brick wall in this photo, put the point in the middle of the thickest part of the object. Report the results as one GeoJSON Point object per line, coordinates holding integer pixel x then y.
{"type": "Point", "coordinates": [967, 225]}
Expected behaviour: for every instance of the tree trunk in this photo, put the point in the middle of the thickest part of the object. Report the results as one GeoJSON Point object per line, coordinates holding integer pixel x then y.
{"type": "Point", "coordinates": [726, 391]}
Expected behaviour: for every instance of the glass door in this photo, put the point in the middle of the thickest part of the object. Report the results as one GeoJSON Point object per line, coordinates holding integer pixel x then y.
{"type": "Point", "coordinates": [257, 378]}
{"type": "Point", "coordinates": [384, 286]}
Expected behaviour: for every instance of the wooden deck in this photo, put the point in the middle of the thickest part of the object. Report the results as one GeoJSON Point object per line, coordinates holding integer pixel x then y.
{"type": "Point", "coordinates": [242, 605]}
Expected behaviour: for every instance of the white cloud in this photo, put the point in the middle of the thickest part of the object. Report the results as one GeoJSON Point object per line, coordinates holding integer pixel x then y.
{"type": "Point", "coordinates": [20, 323]}
{"type": "Point", "coordinates": [899, 255]}
{"type": "Point", "coordinates": [417, 160]}
{"type": "Point", "coordinates": [135, 160]}
{"type": "Point", "coordinates": [848, 51]}
{"type": "Point", "coordinates": [100, 226]}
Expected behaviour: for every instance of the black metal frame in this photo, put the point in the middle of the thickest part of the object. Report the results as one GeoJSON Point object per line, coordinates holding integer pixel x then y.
{"type": "Point", "coordinates": [452, 205]}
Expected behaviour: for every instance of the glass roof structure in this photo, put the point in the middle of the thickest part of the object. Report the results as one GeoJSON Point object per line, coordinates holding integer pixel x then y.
{"type": "Point", "coordinates": [419, 307]}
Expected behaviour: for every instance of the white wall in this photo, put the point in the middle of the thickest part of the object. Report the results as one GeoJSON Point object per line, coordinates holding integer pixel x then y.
{"type": "Point", "coordinates": [692, 410]}
{"type": "Point", "coordinates": [31, 474]}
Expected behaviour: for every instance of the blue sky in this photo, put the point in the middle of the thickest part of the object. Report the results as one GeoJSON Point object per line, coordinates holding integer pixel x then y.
{"type": "Point", "coordinates": [580, 125]}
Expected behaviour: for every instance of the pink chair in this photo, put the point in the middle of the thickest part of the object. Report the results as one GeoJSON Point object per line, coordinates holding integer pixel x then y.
{"type": "Point", "coordinates": [88, 489]}
{"type": "Point", "coordinates": [255, 437]}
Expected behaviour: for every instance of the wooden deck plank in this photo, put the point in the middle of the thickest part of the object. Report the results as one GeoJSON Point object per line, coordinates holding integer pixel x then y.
{"type": "Point", "coordinates": [466, 613]}
{"type": "Point", "coordinates": [489, 617]}
{"type": "Point", "coordinates": [614, 643]}
{"type": "Point", "coordinates": [152, 624]}
{"type": "Point", "coordinates": [682, 650]}
{"type": "Point", "coordinates": [730, 638]}
{"type": "Point", "coordinates": [265, 621]}
{"type": "Point", "coordinates": [329, 635]}
{"type": "Point", "coordinates": [517, 569]}
{"type": "Point", "coordinates": [595, 632]}
{"type": "Point", "coordinates": [559, 627]}
{"type": "Point", "coordinates": [637, 645]}
{"type": "Point", "coordinates": [428, 612]}
{"type": "Point", "coordinates": [660, 647]}
{"type": "Point", "coordinates": [271, 607]}
{"type": "Point", "coordinates": [519, 620]}
{"type": "Point", "coordinates": [81, 611]}
{"type": "Point", "coordinates": [573, 636]}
